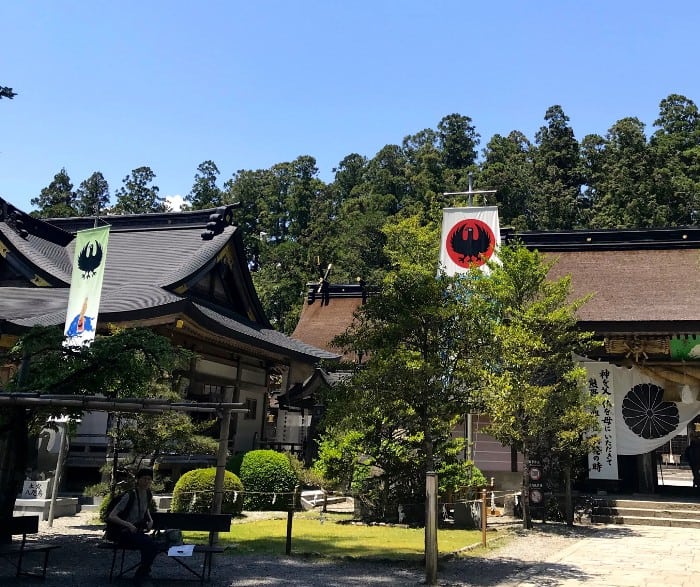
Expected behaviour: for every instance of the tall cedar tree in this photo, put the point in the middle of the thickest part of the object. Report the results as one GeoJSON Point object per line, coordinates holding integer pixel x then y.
{"type": "Point", "coordinates": [138, 195]}
{"type": "Point", "coordinates": [57, 200]}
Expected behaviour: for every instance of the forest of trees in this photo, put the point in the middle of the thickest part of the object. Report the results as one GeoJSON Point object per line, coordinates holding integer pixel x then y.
{"type": "Point", "coordinates": [293, 222]}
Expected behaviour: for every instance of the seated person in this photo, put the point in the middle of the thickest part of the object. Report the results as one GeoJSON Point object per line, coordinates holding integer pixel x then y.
{"type": "Point", "coordinates": [133, 519]}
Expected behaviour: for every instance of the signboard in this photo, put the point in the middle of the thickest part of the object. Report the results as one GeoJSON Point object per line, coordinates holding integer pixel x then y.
{"type": "Point", "coordinates": [536, 487]}
{"type": "Point", "coordinates": [35, 489]}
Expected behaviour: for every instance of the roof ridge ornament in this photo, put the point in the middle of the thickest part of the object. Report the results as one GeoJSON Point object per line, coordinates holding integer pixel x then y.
{"type": "Point", "coordinates": [220, 219]}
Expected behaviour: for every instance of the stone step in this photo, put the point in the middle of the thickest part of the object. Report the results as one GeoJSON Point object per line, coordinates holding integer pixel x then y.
{"type": "Point", "coordinates": [646, 521]}
{"type": "Point", "coordinates": [648, 511]}
{"type": "Point", "coordinates": [648, 504]}
{"type": "Point", "coordinates": [675, 513]}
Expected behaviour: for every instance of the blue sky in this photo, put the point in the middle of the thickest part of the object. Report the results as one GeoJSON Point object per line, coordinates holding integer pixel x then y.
{"type": "Point", "coordinates": [111, 86]}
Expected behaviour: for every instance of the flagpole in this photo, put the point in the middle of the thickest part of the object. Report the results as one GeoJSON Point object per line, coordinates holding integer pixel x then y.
{"type": "Point", "coordinates": [470, 192]}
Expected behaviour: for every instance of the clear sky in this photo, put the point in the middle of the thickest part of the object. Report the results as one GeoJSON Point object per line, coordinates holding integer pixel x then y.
{"type": "Point", "coordinates": [111, 86]}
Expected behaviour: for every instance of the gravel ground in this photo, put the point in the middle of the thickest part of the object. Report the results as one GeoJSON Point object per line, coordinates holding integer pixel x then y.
{"type": "Point", "coordinates": [79, 563]}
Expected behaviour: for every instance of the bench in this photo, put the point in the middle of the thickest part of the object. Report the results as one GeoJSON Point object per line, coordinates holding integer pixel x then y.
{"type": "Point", "coordinates": [187, 522]}
{"type": "Point", "coordinates": [25, 525]}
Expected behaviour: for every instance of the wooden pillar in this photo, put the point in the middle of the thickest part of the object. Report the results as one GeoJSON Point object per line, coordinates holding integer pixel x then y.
{"type": "Point", "coordinates": [431, 546]}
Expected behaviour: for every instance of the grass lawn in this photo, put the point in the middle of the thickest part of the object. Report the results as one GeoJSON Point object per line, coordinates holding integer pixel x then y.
{"type": "Point", "coordinates": [335, 539]}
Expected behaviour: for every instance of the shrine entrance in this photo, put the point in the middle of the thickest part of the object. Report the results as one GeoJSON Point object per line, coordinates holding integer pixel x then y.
{"type": "Point", "coordinates": [673, 472]}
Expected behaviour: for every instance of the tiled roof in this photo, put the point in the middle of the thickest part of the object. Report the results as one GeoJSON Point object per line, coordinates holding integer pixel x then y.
{"type": "Point", "coordinates": [23, 302]}
{"type": "Point", "coordinates": [147, 256]}
{"type": "Point", "coordinates": [251, 332]}
{"type": "Point", "coordinates": [44, 258]}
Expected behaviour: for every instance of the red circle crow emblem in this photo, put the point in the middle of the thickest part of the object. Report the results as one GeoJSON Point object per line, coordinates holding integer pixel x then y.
{"type": "Point", "coordinates": [470, 243]}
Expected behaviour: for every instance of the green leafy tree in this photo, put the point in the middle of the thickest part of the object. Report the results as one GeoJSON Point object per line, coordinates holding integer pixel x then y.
{"type": "Point", "coordinates": [425, 169]}
{"type": "Point", "coordinates": [386, 177]}
{"type": "Point", "coordinates": [304, 193]}
{"type": "Point", "coordinates": [205, 193]}
{"type": "Point", "coordinates": [57, 200]}
{"type": "Point", "coordinates": [349, 174]}
{"type": "Point", "coordinates": [533, 391]}
{"type": "Point", "coordinates": [508, 168]}
{"type": "Point", "coordinates": [251, 190]}
{"type": "Point", "coordinates": [422, 341]}
{"type": "Point", "coordinates": [357, 247]}
{"type": "Point", "coordinates": [137, 194]}
{"type": "Point", "coordinates": [92, 197]}
{"type": "Point", "coordinates": [128, 363]}
{"type": "Point", "coordinates": [154, 435]}
{"type": "Point", "coordinates": [279, 282]}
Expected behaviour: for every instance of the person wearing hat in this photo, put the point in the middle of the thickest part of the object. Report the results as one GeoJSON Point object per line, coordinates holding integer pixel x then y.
{"type": "Point", "coordinates": [133, 516]}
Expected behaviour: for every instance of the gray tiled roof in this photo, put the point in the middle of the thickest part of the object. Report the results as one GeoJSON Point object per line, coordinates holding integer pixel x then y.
{"type": "Point", "coordinates": [48, 257]}
{"type": "Point", "coordinates": [264, 336]}
{"type": "Point", "coordinates": [146, 255]}
{"type": "Point", "coordinates": [24, 302]}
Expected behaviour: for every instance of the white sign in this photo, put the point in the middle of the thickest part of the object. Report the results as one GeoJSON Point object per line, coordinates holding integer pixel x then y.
{"type": "Point", "coordinates": [35, 489]}
{"type": "Point", "coordinates": [602, 462]}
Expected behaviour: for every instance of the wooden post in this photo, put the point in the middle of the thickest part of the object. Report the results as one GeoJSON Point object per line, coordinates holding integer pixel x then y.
{"type": "Point", "coordinates": [290, 518]}
{"type": "Point", "coordinates": [222, 453]}
{"type": "Point", "coordinates": [62, 433]}
{"type": "Point", "coordinates": [483, 517]}
{"type": "Point", "coordinates": [431, 546]}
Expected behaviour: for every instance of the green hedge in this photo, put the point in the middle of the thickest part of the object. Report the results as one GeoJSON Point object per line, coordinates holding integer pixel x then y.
{"type": "Point", "coordinates": [194, 492]}
{"type": "Point", "coordinates": [268, 479]}
{"type": "Point", "coordinates": [234, 463]}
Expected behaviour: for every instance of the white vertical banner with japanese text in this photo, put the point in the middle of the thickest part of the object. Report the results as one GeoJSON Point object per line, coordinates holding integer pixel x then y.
{"type": "Point", "coordinates": [86, 285]}
{"type": "Point", "coordinates": [469, 238]}
{"type": "Point", "coordinates": [602, 462]}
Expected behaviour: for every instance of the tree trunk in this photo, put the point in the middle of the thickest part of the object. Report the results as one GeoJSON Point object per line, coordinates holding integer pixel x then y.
{"type": "Point", "coordinates": [14, 432]}
{"type": "Point", "coordinates": [568, 497]}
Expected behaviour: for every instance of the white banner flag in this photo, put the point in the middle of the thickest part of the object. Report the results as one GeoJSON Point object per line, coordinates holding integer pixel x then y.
{"type": "Point", "coordinates": [469, 237]}
{"type": "Point", "coordinates": [86, 285]}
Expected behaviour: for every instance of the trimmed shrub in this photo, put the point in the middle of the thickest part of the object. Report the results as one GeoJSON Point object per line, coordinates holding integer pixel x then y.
{"type": "Point", "coordinates": [194, 492]}
{"type": "Point", "coordinates": [268, 479]}
{"type": "Point", "coordinates": [234, 463]}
